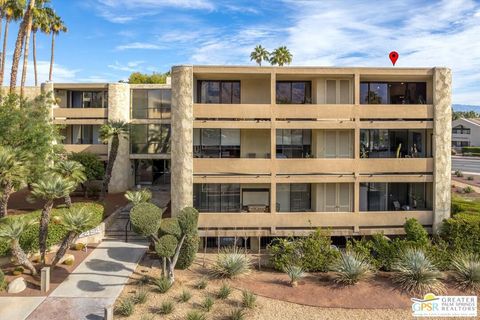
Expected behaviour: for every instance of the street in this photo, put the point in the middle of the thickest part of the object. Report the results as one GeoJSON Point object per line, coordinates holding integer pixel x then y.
{"type": "Point", "coordinates": [466, 164]}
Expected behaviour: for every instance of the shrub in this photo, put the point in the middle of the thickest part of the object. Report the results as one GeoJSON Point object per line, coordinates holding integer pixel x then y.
{"type": "Point", "coordinates": [185, 296]}
{"type": "Point", "coordinates": [188, 251]}
{"type": "Point", "coordinates": [363, 248]}
{"type": "Point", "coordinates": [3, 281]}
{"type": "Point", "coordinates": [386, 251]}
{"type": "Point", "coordinates": [139, 196]}
{"type": "Point", "coordinates": [415, 232]}
{"type": "Point", "coordinates": [283, 252]}
{"type": "Point", "coordinates": [440, 254]}
{"type": "Point", "coordinates": [470, 178]}
{"type": "Point", "coordinates": [224, 291]}
{"type": "Point", "coordinates": [143, 280]}
{"type": "Point", "coordinates": [462, 232]}
{"type": "Point", "coordinates": [166, 307]}
{"type": "Point", "coordinates": [125, 307]}
{"type": "Point", "coordinates": [146, 219]}
{"type": "Point", "coordinates": [231, 263]}
{"type": "Point", "coordinates": [162, 284]}
{"type": "Point", "coordinates": [56, 232]}
{"type": "Point", "coordinates": [201, 284]}
{"type": "Point", "coordinates": [415, 273]}
{"type": "Point", "coordinates": [460, 205]}
{"type": "Point", "coordinates": [295, 273]}
{"type": "Point", "coordinates": [470, 149]}
{"type": "Point", "coordinates": [166, 246]}
{"type": "Point", "coordinates": [249, 300]}
{"type": "Point", "coordinates": [458, 173]}
{"type": "Point", "coordinates": [207, 304]}
{"type": "Point", "coordinates": [466, 272]}
{"type": "Point", "coordinates": [170, 226]}
{"type": "Point", "coordinates": [140, 297]}
{"type": "Point", "coordinates": [236, 314]}
{"type": "Point", "coordinates": [94, 169]}
{"type": "Point", "coordinates": [195, 315]}
{"type": "Point", "coordinates": [468, 189]}
{"type": "Point", "coordinates": [351, 268]}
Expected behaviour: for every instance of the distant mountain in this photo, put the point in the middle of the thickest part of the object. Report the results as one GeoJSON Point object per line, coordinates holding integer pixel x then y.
{"type": "Point", "coordinates": [465, 107]}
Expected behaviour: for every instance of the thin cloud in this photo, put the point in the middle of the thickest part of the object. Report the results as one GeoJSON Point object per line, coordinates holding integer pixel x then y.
{"type": "Point", "coordinates": [139, 45]}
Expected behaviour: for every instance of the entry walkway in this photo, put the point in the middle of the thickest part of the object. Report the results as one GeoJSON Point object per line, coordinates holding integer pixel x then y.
{"type": "Point", "coordinates": [93, 285]}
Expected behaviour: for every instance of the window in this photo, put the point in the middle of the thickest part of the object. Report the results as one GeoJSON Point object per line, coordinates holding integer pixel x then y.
{"type": "Point", "coordinates": [151, 104]}
{"type": "Point", "coordinates": [386, 143]}
{"type": "Point", "coordinates": [152, 172]}
{"type": "Point", "coordinates": [149, 138]}
{"type": "Point", "coordinates": [293, 197]}
{"type": "Point", "coordinates": [460, 144]}
{"type": "Point", "coordinates": [81, 134]}
{"type": "Point", "coordinates": [87, 99]}
{"type": "Point", "coordinates": [338, 92]}
{"type": "Point", "coordinates": [214, 197]}
{"type": "Point", "coordinates": [216, 143]}
{"type": "Point", "coordinates": [294, 143]}
{"type": "Point", "coordinates": [379, 196]}
{"type": "Point", "coordinates": [393, 92]}
{"type": "Point", "coordinates": [460, 130]}
{"type": "Point", "coordinates": [225, 92]}
{"type": "Point", "coordinates": [294, 92]}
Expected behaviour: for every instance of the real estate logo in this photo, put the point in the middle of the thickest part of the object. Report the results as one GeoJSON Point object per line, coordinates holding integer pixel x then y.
{"type": "Point", "coordinates": [444, 306]}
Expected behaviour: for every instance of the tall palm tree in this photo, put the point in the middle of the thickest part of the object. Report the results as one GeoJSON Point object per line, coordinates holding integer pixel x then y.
{"type": "Point", "coordinates": [23, 33]}
{"type": "Point", "coordinates": [75, 221]}
{"type": "Point", "coordinates": [13, 175]}
{"type": "Point", "coordinates": [55, 26]}
{"type": "Point", "coordinates": [111, 132]}
{"type": "Point", "coordinates": [49, 189]}
{"type": "Point", "coordinates": [40, 19]}
{"type": "Point", "coordinates": [72, 171]}
{"type": "Point", "coordinates": [259, 54]}
{"type": "Point", "coordinates": [13, 11]}
{"type": "Point", "coordinates": [281, 56]}
{"type": "Point", "coordinates": [12, 229]}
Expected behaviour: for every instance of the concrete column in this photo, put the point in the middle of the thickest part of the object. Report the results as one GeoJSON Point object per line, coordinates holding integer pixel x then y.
{"type": "Point", "coordinates": [45, 279]}
{"type": "Point", "coordinates": [182, 138]}
{"type": "Point", "coordinates": [119, 110]}
{"type": "Point", "coordinates": [442, 132]}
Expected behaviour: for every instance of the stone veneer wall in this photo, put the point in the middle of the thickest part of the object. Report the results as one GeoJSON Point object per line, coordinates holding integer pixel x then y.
{"type": "Point", "coordinates": [442, 131]}
{"type": "Point", "coordinates": [119, 110]}
{"type": "Point", "coordinates": [182, 138]}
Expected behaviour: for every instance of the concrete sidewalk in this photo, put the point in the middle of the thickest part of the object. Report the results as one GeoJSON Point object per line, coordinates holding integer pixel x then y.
{"type": "Point", "coordinates": [94, 284]}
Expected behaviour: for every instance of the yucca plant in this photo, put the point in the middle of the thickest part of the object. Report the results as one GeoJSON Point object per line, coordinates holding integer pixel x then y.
{"type": "Point", "coordinates": [185, 296]}
{"type": "Point", "coordinates": [143, 280]}
{"type": "Point", "coordinates": [166, 307]}
{"type": "Point", "coordinates": [196, 315]}
{"type": "Point", "coordinates": [415, 273]}
{"type": "Point", "coordinates": [72, 171]}
{"type": "Point", "coordinates": [224, 291]}
{"type": "Point", "coordinates": [249, 300]}
{"type": "Point", "coordinates": [124, 307]}
{"type": "Point", "coordinates": [140, 297]}
{"type": "Point", "coordinates": [162, 284]}
{"type": "Point", "coordinates": [351, 268]}
{"type": "Point", "coordinates": [295, 273]}
{"type": "Point", "coordinates": [140, 196]}
{"type": "Point", "coordinates": [466, 272]}
{"type": "Point", "coordinates": [236, 314]}
{"type": "Point", "coordinates": [231, 262]}
{"type": "Point", "coordinates": [207, 304]}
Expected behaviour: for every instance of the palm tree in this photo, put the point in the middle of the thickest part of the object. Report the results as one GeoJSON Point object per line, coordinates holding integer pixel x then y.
{"type": "Point", "coordinates": [111, 132]}
{"type": "Point", "coordinates": [75, 221]}
{"type": "Point", "coordinates": [13, 11]}
{"type": "Point", "coordinates": [49, 189]}
{"type": "Point", "coordinates": [23, 32]}
{"type": "Point", "coordinates": [259, 54]}
{"type": "Point", "coordinates": [55, 26]}
{"type": "Point", "coordinates": [13, 175]}
{"type": "Point", "coordinates": [39, 22]}
{"type": "Point", "coordinates": [12, 229]}
{"type": "Point", "coordinates": [72, 171]}
{"type": "Point", "coordinates": [281, 56]}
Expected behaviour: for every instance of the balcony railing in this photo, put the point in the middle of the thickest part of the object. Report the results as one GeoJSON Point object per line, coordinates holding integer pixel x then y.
{"type": "Point", "coordinates": [100, 149]}
{"type": "Point", "coordinates": [80, 113]}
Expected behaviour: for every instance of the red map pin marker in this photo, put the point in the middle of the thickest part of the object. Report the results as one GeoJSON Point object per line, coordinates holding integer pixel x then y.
{"type": "Point", "coordinates": [393, 56]}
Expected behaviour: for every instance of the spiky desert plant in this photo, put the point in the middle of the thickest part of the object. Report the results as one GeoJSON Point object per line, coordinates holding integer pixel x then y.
{"type": "Point", "coordinates": [466, 272]}
{"type": "Point", "coordinates": [13, 175]}
{"type": "Point", "coordinates": [70, 170]}
{"type": "Point", "coordinates": [236, 314]}
{"type": "Point", "coordinates": [196, 315]}
{"type": "Point", "coordinates": [415, 273]}
{"type": "Point", "coordinates": [201, 284]}
{"type": "Point", "coordinates": [140, 297]}
{"type": "Point", "coordinates": [125, 307]}
{"type": "Point", "coordinates": [351, 268]}
{"type": "Point", "coordinates": [185, 296]}
{"type": "Point", "coordinates": [224, 291]}
{"type": "Point", "coordinates": [249, 299]}
{"type": "Point", "coordinates": [140, 196]}
{"type": "Point", "coordinates": [231, 262]}
{"type": "Point", "coordinates": [166, 307]}
{"type": "Point", "coordinates": [295, 273]}
{"type": "Point", "coordinates": [207, 304]}
{"type": "Point", "coordinates": [162, 284]}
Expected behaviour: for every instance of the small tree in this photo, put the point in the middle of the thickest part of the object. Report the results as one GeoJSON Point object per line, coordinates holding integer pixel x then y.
{"type": "Point", "coordinates": [281, 56]}
{"type": "Point", "coordinates": [13, 175]}
{"type": "Point", "coordinates": [259, 54]}
{"type": "Point", "coordinates": [12, 229]}
{"type": "Point", "coordinates": [72, 171]}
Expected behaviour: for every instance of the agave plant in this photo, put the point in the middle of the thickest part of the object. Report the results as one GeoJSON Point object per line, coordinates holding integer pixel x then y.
{"type": "Point", "coordinates": [140, 196]}
{"type": "Point", "coordinates": [466, 272]}
{"type": "Point", "coordinates": [350, 268]}
{"type": "Point", "coordinates": [231, 262]}
{"type": "Point", "coordinates": [415, 273]}
{"type": "Point", "coordinates": [295, 273]}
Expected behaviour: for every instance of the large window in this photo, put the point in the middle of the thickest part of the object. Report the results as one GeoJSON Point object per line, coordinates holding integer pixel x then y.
{"type": "Point", "coordinates": [393, 92]}
{"type": "Point", "coordinates": [151, 104]}
{"type": "Point", "coordinates": [87, 99]}
{"type": "Point", "coordinates": [150, 138]}
{"type": "Point", "coordinates": [81, 134]}
{"type": "Point", "coordinates": [216, 197]}
{"type": "Point", "coordinates": [461, 130]}
{"type": "Point", "coordinates": [294, 92]}
{"type": "Point", "coordinates": [458, 144]}
{"type": "Point", "coordinates": [294, 197]}
{"type": "Point", "coordinates": [152, 172]}
{"type": "Point", "coordinates": [383, 143]}
{"type": "Point", "coordinates": [294, 143]}
{"type": "Point", "coordinates": [216, 143]}
{"type": "Point", "coordinates": [210, 91]}
{"type": "Point", "coordinates": [380, 196]}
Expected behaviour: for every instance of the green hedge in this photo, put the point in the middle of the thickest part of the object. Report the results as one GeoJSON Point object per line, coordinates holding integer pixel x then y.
{"type": "Point", "coordinates": [460, 205]}
{"type": "Point", "coordinates": [56, 232]}
{"type": "Point", "coordinates": [146, 218]}
{"type": "Point", "coordinates": [462, 232]}
{"type": "Point", "coordinates": [188, 251]}
{"type": "Point", "coordinates": [470, 149]}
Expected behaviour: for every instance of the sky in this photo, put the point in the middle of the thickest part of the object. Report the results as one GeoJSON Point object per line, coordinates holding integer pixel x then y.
{"type": "Point", "coordinates": [109, 39]}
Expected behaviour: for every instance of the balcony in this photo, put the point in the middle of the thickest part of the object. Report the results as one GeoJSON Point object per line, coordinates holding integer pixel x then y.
{"type": "Point", "coordinates": [400, 165]}
{"type": "Point", "coordinates": [232, 111]}
{"type": "Point", "coordinates": [80, 113]}
{"type": "Point", "coordinates": [395, 111]}
{"type": "Point", "coordinates": [314, 111]}
{"type": "Point", "coordinates": [315, 166]}
{"type": "Point", "coordinates": [231, 166]}
{"type": "Point", "coordinates": [100, 149]}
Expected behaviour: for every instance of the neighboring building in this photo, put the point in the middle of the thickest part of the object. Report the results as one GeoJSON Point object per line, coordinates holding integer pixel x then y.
{"type": "Point", "coordinates": [465, 133]}
{"type": "Point", "coordinates": [278, 151]}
